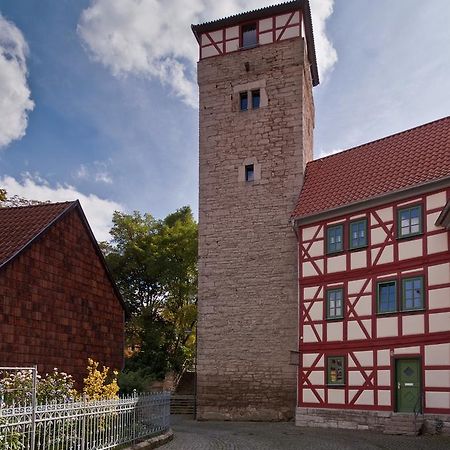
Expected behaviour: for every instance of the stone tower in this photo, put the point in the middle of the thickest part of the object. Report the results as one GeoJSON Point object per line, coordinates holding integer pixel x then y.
{"type": "Point", "coordinates": [255, 75]}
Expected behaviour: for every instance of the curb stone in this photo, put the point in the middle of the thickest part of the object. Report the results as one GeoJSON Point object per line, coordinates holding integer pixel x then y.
{"type": "Point", "coordinates": [154, 442]}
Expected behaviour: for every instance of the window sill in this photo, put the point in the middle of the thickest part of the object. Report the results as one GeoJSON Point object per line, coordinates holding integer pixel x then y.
{"type": "Point", "coordinates": [410, 236]}
{"type": "Point", "coordinates": [248, 47]}
{"type": "Point", "coordinates": [412, 311]}
{"type": "Point", "coordinates": [336, 386]}
{"type": "Point", "coordinates": [337, 253]}
{"type": "Point", "coordinates": [387, 313]}
{"type": "Point", "coordinates": [355, 249]}
{"type": "Point", "coordinates": [334, 319]}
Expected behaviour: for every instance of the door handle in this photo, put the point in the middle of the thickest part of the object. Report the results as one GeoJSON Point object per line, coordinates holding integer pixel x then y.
{"type": "Point", "coordinates": [399, 385]}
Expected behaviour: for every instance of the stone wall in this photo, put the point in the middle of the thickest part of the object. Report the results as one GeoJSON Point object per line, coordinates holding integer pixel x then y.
{"type": "Point", "coordinates": [248, 304]}
{"type": "Point", "coordinates": [57, 305]}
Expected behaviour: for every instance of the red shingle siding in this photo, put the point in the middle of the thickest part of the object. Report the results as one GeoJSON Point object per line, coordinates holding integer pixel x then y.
{"type": "Point", "coordinates": [58, 306]}
{"type": "Point", "coordinates": [396, 162]}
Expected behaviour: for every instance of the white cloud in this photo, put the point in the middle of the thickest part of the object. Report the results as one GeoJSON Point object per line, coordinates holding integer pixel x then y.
{"type": "Point", "coordinates": [15, 102]}
{"type": "Point", "coordinates": [97, 171]}
{"type": "Point", "coordinates": [98, 211]}
{"type": "Point", "coordinates": [152, 38]}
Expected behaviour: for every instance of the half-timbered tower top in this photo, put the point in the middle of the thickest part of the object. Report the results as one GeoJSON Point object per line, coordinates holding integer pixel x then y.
{"type": "Point", "coordinates": [259, 27]}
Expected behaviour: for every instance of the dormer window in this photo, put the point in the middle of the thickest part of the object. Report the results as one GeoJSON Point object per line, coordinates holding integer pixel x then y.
{"type": "Point", "coordinates": [249, 35]}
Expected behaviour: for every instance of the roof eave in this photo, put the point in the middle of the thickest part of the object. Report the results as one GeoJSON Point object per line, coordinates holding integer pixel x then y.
{"type": "Point", "coordinates": [399, 194]}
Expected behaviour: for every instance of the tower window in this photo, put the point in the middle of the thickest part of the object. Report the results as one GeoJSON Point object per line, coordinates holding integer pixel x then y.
{"type": "Point", "coordinates": [249, 36]}
{"type": "Point", "coordinates": [256, 97]}
{"type": "Point", "coordinates": [249, 172]}
{"type": "Point", "coordinates": [243, 99]}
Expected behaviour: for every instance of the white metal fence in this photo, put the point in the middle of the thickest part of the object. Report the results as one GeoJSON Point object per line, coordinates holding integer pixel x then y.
{"type": "Point", "coordinates": [95, 425]}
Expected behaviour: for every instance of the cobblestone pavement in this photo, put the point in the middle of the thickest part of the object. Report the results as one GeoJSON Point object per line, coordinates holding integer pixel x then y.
{"type": "Point", "coordinates": [191, 435]}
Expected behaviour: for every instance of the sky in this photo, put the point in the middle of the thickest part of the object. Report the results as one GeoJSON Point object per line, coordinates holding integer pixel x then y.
{"type": "Point", "coordinates": [98, 98]}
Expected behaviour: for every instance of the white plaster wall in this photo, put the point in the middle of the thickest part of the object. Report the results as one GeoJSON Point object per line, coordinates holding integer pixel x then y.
{"type": "Point", "coordinates": [354, 331]}
{"type": "Point", "coordinates": [209, 51]}
{"type": "Point", "coordinates": [364, 358]}
{"type": "Point", "coordinates": [358, 259]}
{"type": "Point", "coordinates": [309, 397]}
{"type": "Point", "coordinates": [309, 335]}
{"type": "Point", "coordinates": [431, 220]}
{"type": "Point", "coordinates": [316, 311]}
{"type": "Point", "coordinates": [308, 233]}
{"type": "Point", "coordinates": [355, 286]}
{"type": "Point", "coordinates": [266, 38]}
{"type": "Point", "coordinates": [438, 354]}
{"type": "Point", "coordinates": [384, 398]}
{"type": "Point", "coordinates": [437, 200]}
{"type": "Point", "coordinates": [407, 351]}
{"type": "Point", "coordinates": [336, 396]}
{"type": "Point", "coordinates": [387, 254]}
{"type": "Point", "coordinates": [355, 378]}
{"type": "Point", "coordinates": [437, 399]}
{"type": "Point", "coordinates": [413, 324]}
{"type": "Point", "coordinates": [384, 378]}
{"type": "Point", "coordinates": [437, 378]}
{"type": "Point", "coordinates": [281, 21]}
{"type": "Point", "coordinates": [385, 214]}
{"type": "Point", "coordinates": [317, 377]}
{"type": "Point", "coordinates": [384, 357]}
{"type": "Point", "coordinates": [378, 235]}
{"type": "Point", "coordinates": [366, 398]}
{"type": "Point", "coordinates": [364, 306]}
{"type": "Point", "coordinates": [439, 274]}
{"type": "Point", "coordinates": [290, 33]}
{"type": "Point", "coordinates": [310, 292]}
{"type": "Point", "coordinates": [265, 24]}
{"type": "Point", "coordinates": [437, 243]}
{"type": "Point", "coordinates": [336, 264]}
{"type": "Point", "coordinates": [439, 322]}
{"type": "Point", "coordinates": [316, 249]}
{"type": "Point", "coordinates": [335, 331]}
{"type": "Point", "coordinates": [232, 46]}
{"type": "Point", "coordinates": [439, 298]}
{"type": "Point", "coordinates": [308, 270]}
{"type": "Point", "coordinates": [309, 358]}
{"type": "Point", "coordinates": [232, 32]}
{"type": "Point", "coordinates": [387, 326]}
{"type": "Point", "coordinates": [410, 249]}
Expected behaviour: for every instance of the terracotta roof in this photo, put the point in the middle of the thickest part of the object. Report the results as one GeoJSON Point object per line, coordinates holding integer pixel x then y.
{"type": "Point", "coordinates": [19, 226]}
{"type": "Point", "coordinates": [266, 12]}
{"type": "Point", "coordinates": [413, 157]}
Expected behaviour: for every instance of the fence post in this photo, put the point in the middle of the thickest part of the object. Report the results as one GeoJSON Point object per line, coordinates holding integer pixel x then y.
{"type": "Point", "coordinates": [33, 409]}
{"type": "Point", "coordinates": [83, 424]}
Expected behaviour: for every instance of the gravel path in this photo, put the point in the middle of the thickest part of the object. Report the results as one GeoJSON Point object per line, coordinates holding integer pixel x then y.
{"type": "Point", "coordinates": [192, 435]}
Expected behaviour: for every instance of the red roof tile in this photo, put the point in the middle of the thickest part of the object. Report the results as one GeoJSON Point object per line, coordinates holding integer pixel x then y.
{"type": "Point", "coordinates": [394, 163]}
{"type": "Point", "coordinates": [20, 225]}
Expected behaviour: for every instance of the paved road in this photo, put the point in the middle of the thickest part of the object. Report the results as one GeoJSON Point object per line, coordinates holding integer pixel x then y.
{"type": "Point", "coordinates": [191, 435]}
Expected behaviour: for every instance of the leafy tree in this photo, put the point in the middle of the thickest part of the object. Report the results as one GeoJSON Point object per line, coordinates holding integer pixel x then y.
{"type": "Point", "coordinates": [154, 263]}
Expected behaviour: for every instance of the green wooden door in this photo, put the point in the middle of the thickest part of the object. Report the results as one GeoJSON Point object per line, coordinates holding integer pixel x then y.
{"type": "Point", "coordinates": [407, 384]}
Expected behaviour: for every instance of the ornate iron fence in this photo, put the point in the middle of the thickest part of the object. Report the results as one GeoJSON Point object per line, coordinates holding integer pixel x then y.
{"type": "Point", "coordinates": [95, 425]}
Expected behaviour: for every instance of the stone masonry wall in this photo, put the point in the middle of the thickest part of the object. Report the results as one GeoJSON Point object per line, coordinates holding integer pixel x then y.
{"type": "Point", "coordinates": [57, 306]}
{"type": "Point", "coordinates": [248, 251]}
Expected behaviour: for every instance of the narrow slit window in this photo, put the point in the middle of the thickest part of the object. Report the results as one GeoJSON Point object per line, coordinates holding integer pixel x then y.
{"type": "Point", "coordinates": [256, 99]}
{"type": "Point", "coordinates": [249, 36]}
{"type": "Point", "coordinates": [249, 172]}
{"type": "Point", "coordinates": [243, 99]}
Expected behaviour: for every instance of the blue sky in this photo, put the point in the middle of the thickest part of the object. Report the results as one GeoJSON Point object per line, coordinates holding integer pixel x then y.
{"type": "Point", "coordinates": [113, 87]}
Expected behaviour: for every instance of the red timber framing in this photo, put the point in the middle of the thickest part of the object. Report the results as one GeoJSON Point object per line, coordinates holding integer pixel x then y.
{"type": "Point", "coordinates": [369, 341]}
{"type": "Point", "coordinates": [268, 30]}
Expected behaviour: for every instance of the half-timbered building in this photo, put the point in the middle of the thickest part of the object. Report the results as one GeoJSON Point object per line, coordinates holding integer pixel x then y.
{"type": "Point", "coordinates": [374, 317]}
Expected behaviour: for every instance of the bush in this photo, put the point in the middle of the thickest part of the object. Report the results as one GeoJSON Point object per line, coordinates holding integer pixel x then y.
{"type": "Point", "coordinates": [100, 385]}
{"type": "Point", "coordinates": [131, 381]}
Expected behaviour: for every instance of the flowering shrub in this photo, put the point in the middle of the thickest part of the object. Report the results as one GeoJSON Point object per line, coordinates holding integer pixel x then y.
{"type": "Point", "coordinates": [55, 387]}
{"type": "Point", "coordinates": [100, 385]}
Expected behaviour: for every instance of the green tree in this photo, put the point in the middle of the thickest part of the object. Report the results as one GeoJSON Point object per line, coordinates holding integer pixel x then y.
{"type": "Point", "coordinates": [154, 263]}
